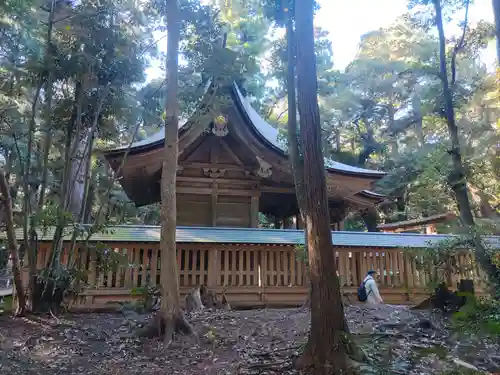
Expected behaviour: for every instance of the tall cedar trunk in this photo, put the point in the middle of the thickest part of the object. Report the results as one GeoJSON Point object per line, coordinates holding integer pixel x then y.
{"type": "Point", "coordinates": [325, 352]}
{"type": "Point", "coordinates": [6, 201]}
{"type": "Point", "coordinates": [170, 303]}
{"type": "Point", "coordinates": [296, 160]}
{"type": "Point", "coordinates": [457, 180]}
{"type": "Point", "coordinates": [496, 12]}
{"type": "Point", "coordinates": [293, 145]}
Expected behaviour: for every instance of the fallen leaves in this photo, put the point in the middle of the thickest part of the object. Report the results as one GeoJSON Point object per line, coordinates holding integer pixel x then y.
{"type": "Point", "coordinates": [249, 342]}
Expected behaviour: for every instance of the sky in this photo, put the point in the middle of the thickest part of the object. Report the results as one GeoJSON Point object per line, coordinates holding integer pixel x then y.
{"type": "Point", "coordinates": [348, 20]}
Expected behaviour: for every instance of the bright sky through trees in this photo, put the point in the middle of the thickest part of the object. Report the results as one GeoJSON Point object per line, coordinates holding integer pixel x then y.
{"type": "Point", "coordinates": [348, 20]}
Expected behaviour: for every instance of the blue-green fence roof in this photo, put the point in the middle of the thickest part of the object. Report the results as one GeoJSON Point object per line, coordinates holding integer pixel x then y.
{"type": "Point", "coordinates": [146, 233]}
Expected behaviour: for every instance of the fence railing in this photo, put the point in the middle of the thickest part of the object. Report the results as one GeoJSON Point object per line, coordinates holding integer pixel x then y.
{"type": "Point", "coordinates": [248, 274]}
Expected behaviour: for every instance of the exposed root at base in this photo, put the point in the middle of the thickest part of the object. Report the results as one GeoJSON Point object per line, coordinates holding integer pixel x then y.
{"type": "Point", "coordinates": [353, 350]}
{"type": "Point", "coordinates": [307, 303]}
{"type": "Point", "coordinates": [20, 312]}
{"type": "Point", "coordinates": [310, 364]}
{"type": "Point", "coordinates": [277, 365]}
{"type": "Point", "coordinates": [159, 326]}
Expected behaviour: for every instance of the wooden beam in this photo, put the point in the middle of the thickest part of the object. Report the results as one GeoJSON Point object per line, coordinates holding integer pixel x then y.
{"type": "Point", "coordinates": [229, 167]}
{"type": "Point", "coordinates": [213, 154]}
{"type": "Point", "coordinates": [254, 212]}
{"type": "Point", "coordinates": [229, 150]}
{"type": "Point", "coordinates": [209, 191]}
{"type": "Point", "coordinates": [276, 189]}
{"type": "Point", "coordinates": [209, 180]}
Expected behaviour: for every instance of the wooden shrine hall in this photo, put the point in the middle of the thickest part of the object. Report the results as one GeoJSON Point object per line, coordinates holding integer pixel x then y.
{"type": "Point", "coordinates": [233, 167]}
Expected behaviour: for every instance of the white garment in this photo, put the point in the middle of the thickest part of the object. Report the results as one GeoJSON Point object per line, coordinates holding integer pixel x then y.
{"type": "Point", "coordinates": [372, 291]}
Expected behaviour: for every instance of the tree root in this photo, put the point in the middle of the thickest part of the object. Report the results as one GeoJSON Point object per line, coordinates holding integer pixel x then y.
{"type": "Point", "coordinates": [309, 362]}
{"type": "Point", "coordinates": [160, 326]}
{"type": "Point", "coordinates": [275, 351]}
{"type": "Point", "coordinates": [354, 351]}
{"type": "Point", "coordinates": [278, 365]}
{"type": "Point", "coordinates": [20, 312]}
{"type": "Point", "coordinates": [307, 302]}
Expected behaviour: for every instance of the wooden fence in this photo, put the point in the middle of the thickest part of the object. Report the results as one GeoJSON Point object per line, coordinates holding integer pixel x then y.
{"type": "Point", "coordinates": [250, 275]}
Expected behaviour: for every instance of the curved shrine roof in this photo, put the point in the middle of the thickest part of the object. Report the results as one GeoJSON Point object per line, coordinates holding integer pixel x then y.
{"type": "Point", "coordinates": [268, 133]}
{"type": "Point", "coordinates": [265, 130]}
{"type": "Point", "coordinates": [271, 135]}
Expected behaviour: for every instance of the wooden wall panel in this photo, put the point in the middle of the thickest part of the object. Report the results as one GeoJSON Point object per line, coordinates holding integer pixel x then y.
{"type": "Point", "coordinates": [194, 210]}
{"type": "Point", "coordinates": [233, 211]}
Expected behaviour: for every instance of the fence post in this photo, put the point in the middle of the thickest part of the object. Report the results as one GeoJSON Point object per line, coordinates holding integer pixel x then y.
{"type": "Point", "coordinates": [213, 268]}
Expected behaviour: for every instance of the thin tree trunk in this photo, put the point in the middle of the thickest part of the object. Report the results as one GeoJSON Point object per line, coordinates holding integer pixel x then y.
{"type": "Point", "coordinates": [417, 110]}
{"type": "Point", "coordinates": [6, 200]}
{"type": "Point", "coordinates": [28, 230]}
{"type": "Point", "coordinates": [170, 303]}
{"type": "Point", "coordinates": [49, 61]}
{"type": "Point", "coordinates": [370, 218]}
{"type": "Point", "coordinates": [458, 180]}
{"type": "Point", "coordinates": [87, 174]}
{"type": "Point", "coordinates": [325, 352]}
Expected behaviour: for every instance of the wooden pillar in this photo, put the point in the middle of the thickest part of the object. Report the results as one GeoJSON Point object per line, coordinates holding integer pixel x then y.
{"type": "Point", "coordinates": [214, 267]}
{"type": "Point", "coordinates": [214, 205]}
{"type": "Point", "coordinates": [254, 212]}
{"type": "Point", "coordinates": [430, 229]}
{"type": "Point", "coordinates": [341, 225]}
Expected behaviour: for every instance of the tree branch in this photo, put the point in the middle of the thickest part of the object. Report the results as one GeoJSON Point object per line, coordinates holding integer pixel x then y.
{"type": "Point", "coordinates": [281, 114]}
{"type": "Point", "coordinates": [459, 46]}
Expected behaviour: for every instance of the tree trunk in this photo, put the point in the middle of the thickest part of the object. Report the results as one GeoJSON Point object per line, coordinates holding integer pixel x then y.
{"type": "Point", "coordinates": [325, 352]}
{"type": "Point", "coordinates": [29, 232]}
{"type": "Point", "coordinates": [170, 304]}
{"type": "Point", "coordinates": [78, 172]}
{"type": "Point", "coordinates": [370, 218]}
{"type": "Point", "coordinates": [416, 102]}
{"type": "Point", "coordinates": [296, 159]}
{"type": "Point", "coordinates": [49, 62]}
{"type": "Point", "coordinates": [6, 200]}
{"type": "Point", "coordinates": [457, 179]}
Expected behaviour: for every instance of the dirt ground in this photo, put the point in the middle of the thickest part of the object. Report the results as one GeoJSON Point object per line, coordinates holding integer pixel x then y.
{"type": "Point", "coordinates": [397, 340]}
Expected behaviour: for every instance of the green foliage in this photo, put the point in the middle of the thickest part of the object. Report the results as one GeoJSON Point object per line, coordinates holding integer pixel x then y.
{"type": "Point", "coordinates": [440, 260]}
{"type": "Point", "coordinates": [147, 297]}
{"type": "Point", "coordinates": [6, 306]}
{"type": "Point", "coordinates": [479, 316]}
{"type": "Point", "coordinates": [301, 254]}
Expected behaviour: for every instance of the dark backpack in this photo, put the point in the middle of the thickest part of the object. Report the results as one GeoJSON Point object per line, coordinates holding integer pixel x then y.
{"type": "Point", "coordinates": [362, 295]}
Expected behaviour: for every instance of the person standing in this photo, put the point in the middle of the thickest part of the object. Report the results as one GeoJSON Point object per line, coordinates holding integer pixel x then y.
{"type": "Point", "coordinates": [368, 291]}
